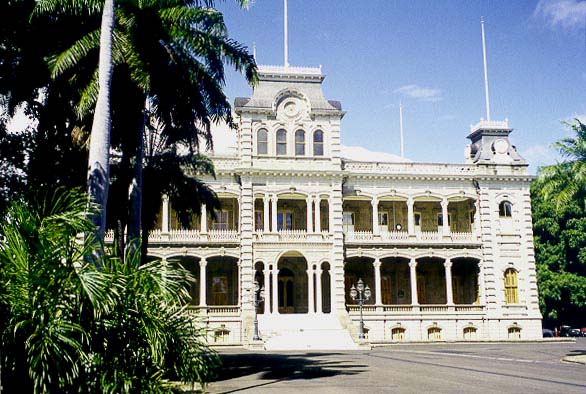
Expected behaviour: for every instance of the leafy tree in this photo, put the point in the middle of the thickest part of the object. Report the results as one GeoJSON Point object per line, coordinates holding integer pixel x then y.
{"type": "Point", "coordinates": [559, 223]}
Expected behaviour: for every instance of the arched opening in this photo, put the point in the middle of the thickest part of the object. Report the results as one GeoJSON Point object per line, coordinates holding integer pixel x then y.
{"type": "Point", "coordinates": [395, 281]}
{"type": "Point", "coordinates": [514, 333]}
{"type": "Point", "coordinates": [292, 283]}
{"type": "Point", "coordinates": [318, 143]}
{"type": "Point", "coordinates": [300, 143]}
{"type": "Point", "coordinates": [221, 335]}
{"type": "Point", "coordinates": [511, 286]}
{"type": "Point", "coordinates": [398, 334]}
{"type": "Point", "coordinates": [326, 298]}
{"type": "Point", "coordinates": [465, 281]}
{"type": "Point", "coordinates": [434, 334]}
{"type": "Point", "coordinates": [262, 142]}
{"type": "Point", "coordinates": [260, 278]}
{"type": "Point", "coordinates": [431, 281]}
{"type": "Point", "coordinates": [359, 268]}
{"type": "Point", "coordinates": [222, 281]}
{"type": "Point", "coordinates": [505, 209]}
{"type": "Point", "coordinates": [191, 264]}
{"type": "Point", "coordinates": [281, 142]}
{"type": "Point", "coordinates": [469, 333]}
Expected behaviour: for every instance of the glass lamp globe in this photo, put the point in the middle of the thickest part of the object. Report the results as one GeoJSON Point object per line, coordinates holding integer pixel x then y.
{"type": "Point", "coordinates": [353, 292]}
{"type": "Point", "coordinates": [360, 285]}
{"type": "Point", "coordinates": [367, 292]}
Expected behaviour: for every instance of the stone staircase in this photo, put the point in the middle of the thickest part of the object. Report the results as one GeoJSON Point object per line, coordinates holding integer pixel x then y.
{"type": "Point", "coordinates": [304, 332]}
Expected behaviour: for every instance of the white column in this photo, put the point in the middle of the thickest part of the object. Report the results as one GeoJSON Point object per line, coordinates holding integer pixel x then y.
{"type": "Point", "coordinates": [275, 297]}
{"type": "Point", "coordinates": [317, 214]}
{"type": "Point", "coordinates": [239, 282]}
{"type": "Point", "coordinates": [476, 229]}
{"type": "Point", "coordinates": [202, 282]}
{"type": "Point", "coordinates": [375, 228]}
{"type": "Point", "coordinates": [410, 216]}
{"type": "Point", "coordinates": [413, 275]}
{"type": "Point", "coordinates": [165, 218]}
{"type": "Point", "coordinates": [310, 292]}
{"type": "Point", "coordinates": [446, 226]}
{"type": "Point", "coordinates": [481, 292]}
{"type": "Point", "coordinates": [204, 219]}
{"type": "Point", "coordinates": [449, 291]}
{"type": "Point", "coordinates": [377, 282]}
{"type": "Point", "coordinates": [318, 291]}
{"type": "Point", "coordinates": [309, 203]}
{"type": "Point", "coordinates": [267, 285]}
{"type": "Point", "coordinates": [274, 200]}
{"type": "Point", "coordinates": [266, 207]}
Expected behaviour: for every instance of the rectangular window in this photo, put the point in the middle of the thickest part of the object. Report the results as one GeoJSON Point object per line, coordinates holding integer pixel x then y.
{"type": "Point", "coordinates": [285, 221]}
{"type": "Point", "coordinates": [221, 222]}
{"type": "Point", "coordinates": [258, 220]}
{"type": "Point", "coordinates": [348, 221]}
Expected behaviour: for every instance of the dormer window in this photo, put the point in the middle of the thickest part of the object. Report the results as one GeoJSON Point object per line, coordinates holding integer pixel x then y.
{"type": "Point", "coordinates": [505, 209]}
{"type": "Point", "coordinates": [300, 143]}
{"type": "Point", "coordinates": [318, 143]}
{"type": "Point", "coordinates": [281, 142]}
{"type": "Point", "coordinates": [262, 142]}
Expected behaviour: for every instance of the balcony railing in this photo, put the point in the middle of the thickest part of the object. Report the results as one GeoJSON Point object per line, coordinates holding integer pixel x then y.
{"type": "Point", "coordinates": [404, 237]}
{"type": "Point", "coordinates": [188, 236]}
{"type": "Point", "coordinates": [415, 309]}
{"type": "Point", "coordinates": [291, 236]}
{"type": "Point", "coordinates": [215, 310]}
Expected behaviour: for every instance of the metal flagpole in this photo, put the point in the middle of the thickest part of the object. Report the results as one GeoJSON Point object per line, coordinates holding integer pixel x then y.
{"type": "Point", "coordinates": [401, 128]}
{"type": "Point", "coordinates": [286, 34]}
{"type": "Point", "coordinates": [485, 70]}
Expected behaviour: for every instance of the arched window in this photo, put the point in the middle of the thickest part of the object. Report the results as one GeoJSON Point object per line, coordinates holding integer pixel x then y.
{"type": "Point", "coordinates": [398, 334]}
{"type": "Point", "coordinates": [262, 142]}
{"type": "Point", "coordinates": [469, 333]}
{"type": "Point", "coordinates": [434, 334]}
{"type": "Point", "coordinates": [511, 287]}
{"type": "Point", "coordinates": [505, 209]}
{"type": "Point", "coordinates": [300, 143]}
{"type": "Point", "coordinates": [281, 142]}
{"type": "Point", "coordinates": [318, 143]}
{"type": "Point", "coordinates": [514, 333]}
{"type": "Point", "coordinates": [222, 335]}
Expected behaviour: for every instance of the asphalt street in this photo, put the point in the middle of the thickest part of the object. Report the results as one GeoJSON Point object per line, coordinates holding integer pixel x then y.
{"type": "Point", "coordinates": [416, 368]}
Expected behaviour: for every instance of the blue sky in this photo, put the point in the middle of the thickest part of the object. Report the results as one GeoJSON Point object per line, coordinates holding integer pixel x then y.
{"type": "Point", "coordinates": [429, 55]}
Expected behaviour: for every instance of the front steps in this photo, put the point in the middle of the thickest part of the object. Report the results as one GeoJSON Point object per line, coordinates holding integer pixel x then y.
{"type": "Point", "coordinates": [304, 332]}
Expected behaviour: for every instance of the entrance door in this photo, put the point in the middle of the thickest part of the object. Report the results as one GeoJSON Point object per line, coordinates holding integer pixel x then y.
{"type": "Point", "coordinates": [286, 292]}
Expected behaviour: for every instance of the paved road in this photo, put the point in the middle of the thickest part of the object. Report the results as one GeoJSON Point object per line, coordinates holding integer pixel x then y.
{"type": "Point", "coordinates": [442, 368]}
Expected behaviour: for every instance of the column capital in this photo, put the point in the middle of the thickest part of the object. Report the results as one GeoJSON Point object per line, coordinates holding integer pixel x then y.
{"type": "Point", "coordinates": [374, 200]}
{"type": "Point", "coordinates": [203, 262]}
{"type": "Point", "coordinates": [448, 263]}
{"type": "Point", "coordinates": [376, 263]}
{"type": "Point", "coordinates": [266, 197]}
{"type": "Point", "coordinates": [165, 198]}
{"type": "Point", "coordinates": [410, 200]}
{"type": "Point", "coordinates": [317, 198]}
{"type": "Point", "coordinates": [445, 202]}
{"type": "Point", "coordinates": [274, 197]}
{"type": "Point", "coordinates": [413, 263]}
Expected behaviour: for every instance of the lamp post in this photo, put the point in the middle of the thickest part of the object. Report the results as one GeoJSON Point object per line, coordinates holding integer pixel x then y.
{"type": "Point", "coordinates": [259, 296]}
{"type": "Point", "coordinates": [360, 294]}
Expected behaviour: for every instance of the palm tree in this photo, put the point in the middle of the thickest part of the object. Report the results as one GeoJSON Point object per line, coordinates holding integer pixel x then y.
{"type": "Point", "coordinates": [173, 52]}
{"type": "Point", "coordinates": [566, 181]}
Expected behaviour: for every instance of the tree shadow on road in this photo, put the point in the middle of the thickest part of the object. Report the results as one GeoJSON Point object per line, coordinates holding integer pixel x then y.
{"type": "Point", "coordinates": [279, 367]}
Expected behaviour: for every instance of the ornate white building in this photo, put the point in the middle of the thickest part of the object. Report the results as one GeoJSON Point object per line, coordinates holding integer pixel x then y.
{"type": "Point", "coordinates": [446, 249]}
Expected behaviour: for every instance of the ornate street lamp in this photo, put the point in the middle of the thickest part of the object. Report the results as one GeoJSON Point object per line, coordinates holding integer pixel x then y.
{"type": "Point", "coordinates": [259, 297]}
{"type": "Point", "coordinates": [360, 294]}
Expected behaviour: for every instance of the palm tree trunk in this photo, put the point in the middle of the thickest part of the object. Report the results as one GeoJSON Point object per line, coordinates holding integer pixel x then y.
{"type": "Point", "coordinates": [135, 192]}
{"type": "Point", "coordinates": [99, 155]}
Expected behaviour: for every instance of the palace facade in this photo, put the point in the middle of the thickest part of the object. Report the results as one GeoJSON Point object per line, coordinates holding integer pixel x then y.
{"type": "Point", "coordinates": [446, 249]}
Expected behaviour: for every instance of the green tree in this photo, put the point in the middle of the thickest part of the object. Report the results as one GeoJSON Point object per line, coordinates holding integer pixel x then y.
{"type": "Point", "coordinates": [559, 224]}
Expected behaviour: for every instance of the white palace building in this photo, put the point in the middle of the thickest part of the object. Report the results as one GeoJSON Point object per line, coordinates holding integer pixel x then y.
{"type": "Point", "coordinates": [446, 249]}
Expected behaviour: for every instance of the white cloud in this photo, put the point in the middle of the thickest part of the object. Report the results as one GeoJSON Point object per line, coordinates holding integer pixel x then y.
{"type": "Point", "coordinates": [359, 153]}
{"type": "Point", "coordinates": [568, 14]}
{"type": "Point", "coordinates": [420, 92]}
